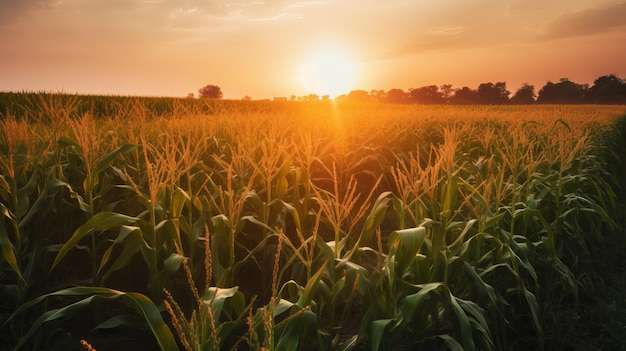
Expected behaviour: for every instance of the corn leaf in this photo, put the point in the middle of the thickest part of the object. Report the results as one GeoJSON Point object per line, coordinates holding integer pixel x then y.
{"type": "Point", "coordinates": [136, 301]}
{"type": "Point", "coordinates": [100, 222]}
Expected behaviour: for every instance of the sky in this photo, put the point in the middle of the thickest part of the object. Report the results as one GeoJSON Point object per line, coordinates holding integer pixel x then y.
{"type": "Point", "coordinates": [264, 49]}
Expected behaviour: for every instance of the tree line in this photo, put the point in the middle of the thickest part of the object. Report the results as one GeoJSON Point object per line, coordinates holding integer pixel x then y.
{"type": "Point", "coordinates": [607, 89]}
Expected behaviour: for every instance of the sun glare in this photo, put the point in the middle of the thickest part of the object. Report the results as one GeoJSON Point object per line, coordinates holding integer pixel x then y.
{"type": "Point", "coordinates": [329, 72]}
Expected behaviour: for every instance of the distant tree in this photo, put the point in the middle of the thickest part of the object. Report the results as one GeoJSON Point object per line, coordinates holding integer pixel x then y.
{"type": "Point", "coordinates": [465, 96]}
{"type": "Point", "coordinates": [447, 91]}
{"type": "Point", "coordinates": [608, 90]}
{"type": "Point", "coordinates": [563, 92]}
{"type": "Point", "coordinates": [359, 96]}
{"type": "Point", "coordinates": [493, 94]}
{"type": "Point", "coordinates": [378, 95]}
{"type": "Point", "coordinates": [190, 96]}
{"type": "Point", "coordinates": [210, 92]}
{"type": "Point", "coordinates": [309, 98]}
{"type": "Point", "coordinates": [246, 98]}
{"type": "Point", "coordinates": [524, 95]}
{"type": "Point", "coordinates": [396, 96]}
{"type": "Point", "coordinates": [426, 95]}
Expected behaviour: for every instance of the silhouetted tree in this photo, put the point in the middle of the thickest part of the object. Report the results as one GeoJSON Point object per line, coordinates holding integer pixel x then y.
{"type": "Point", "coordinates": [447, 91]}
{"type": "Point", "coordinates": [524, 95]}
{"type": "Point", "coordinates": [359, 96]}
{"type": "Point", "coordinates": [608, 90]}
{"type": "Point", "coordinates": [211, 92]}
{"type": "Point", "coordinates": [396, 96]}
{"type": "Point", "coordinates": [426, 95]}
{"type": "Point", "coordinates": [310, 98]}
{"type": "Point", "coordinates": [378, 95]}
{"type": "Point", "coordinates": [493, 94]}
{"type": "Point", "coordinates": [465, 96]}
{"type": "Point", "coordinates": [563, 92]}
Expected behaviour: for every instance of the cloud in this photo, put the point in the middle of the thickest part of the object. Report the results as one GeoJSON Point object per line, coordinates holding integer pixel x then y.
{"type": "Point", "coordinates": [498, 25]}
{"type": "Point", "coordinates": [238, 10]}
{"type": "Point", "coordinates": [586, 22]}
{"type": "Point", "coordinates": [16, 9]}
{"type": "Point", "coordinates": [446, 30]}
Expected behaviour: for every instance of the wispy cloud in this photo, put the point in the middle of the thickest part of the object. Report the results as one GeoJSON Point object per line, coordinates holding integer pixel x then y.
{"type": "Point", "coordinates": [446, 30]}
{"type": "Point", "coordinates": [586, 22]}
{"type": "Point", "coordinates": [16, 9]}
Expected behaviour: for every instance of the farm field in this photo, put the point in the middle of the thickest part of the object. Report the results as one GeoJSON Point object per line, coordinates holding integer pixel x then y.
{"type": "Point", "coordinates": [215, 225]}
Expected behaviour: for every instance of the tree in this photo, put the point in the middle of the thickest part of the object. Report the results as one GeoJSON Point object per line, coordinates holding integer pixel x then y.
{"type": "Point", "coordinates": [563, 92]}
{"type": "Point", "coordinates": [524, 95]}
{"type": "Point", "coordinates": [608, 90]}
{"type": "Point", "coordinates": [396, 96]}
{"type": "Point", "coordinates": [493, 94]}
{"type": "Point", "coordinates": [359, 96]}
{"type": "Point", "coordinates": [309, 98]}
{"type": "Point", "coordinates": [378, 95]}
{"type": "Point", "coordinates": [210, 92]}
{"type": "Point", "coordinates": [465, 96]}
{"type": "Point", "coordinates": [427, 95]}
{"type": "Point", "coordinates": [447, 90]}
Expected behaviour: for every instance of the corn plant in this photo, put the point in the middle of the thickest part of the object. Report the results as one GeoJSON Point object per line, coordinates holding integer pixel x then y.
{"type": "Point", "coordinates": [328, 226]}
{"type": "Point", "coordinates": [139, 303]}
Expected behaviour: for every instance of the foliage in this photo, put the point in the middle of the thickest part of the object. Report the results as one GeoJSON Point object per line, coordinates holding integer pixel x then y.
{"type": "Point", "coordinates": [606, 90]}
{"type": "Point", "coordinates": [210, 92]}
{"type": "Point", "coordinates": [303, 226]}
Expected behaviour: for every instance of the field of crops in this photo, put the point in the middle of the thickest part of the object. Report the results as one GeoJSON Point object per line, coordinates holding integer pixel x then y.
{"type": "Point", "coordinates": [304, 226]}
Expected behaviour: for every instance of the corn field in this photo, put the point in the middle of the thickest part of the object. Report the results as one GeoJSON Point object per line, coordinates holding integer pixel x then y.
{"type": "Point", "coordinates": [211, 225]}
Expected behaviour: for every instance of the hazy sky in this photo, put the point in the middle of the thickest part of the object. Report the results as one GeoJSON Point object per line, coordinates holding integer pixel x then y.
{"type": "Point", "coordinates": [259, 48]}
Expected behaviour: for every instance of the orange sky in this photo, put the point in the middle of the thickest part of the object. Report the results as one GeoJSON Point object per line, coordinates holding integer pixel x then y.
{"type": "Point", "coordinates": [259, 48]}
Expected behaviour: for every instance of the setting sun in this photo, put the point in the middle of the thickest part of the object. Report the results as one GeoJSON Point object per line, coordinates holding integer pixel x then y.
{"type": "Point", "coordinates": [312, 175]}
{"type": "Point", "coordinates": [329, 72]}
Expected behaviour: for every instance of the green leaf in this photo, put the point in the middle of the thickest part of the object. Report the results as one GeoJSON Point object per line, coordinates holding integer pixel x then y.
{"type": "Point", "coordinates": [64, 312]}
{"type": "Point", "coordinates": [404, 246]}
{"type": "Point", "coordinates": [467, 338]}
{"type": "Point", "coordinates": [24, 193]}
{"type": "Point", "coordinates": [294, 214]}
{"type": "Point", "coordinates": [451, 343]}
{"type": "Point", "coordinates": [130, 239]}
{"type": "Point", "coordinates": [533, 306]}
{"type": "Point", "coordinates": [215, 298]}
{"type": "Point", "coordinates": [42, 200]}
{"type": "Point", "coordinates": [100, 222]}
{"type": "Point", "coordinates": [121, 320]}
{"type": "Point", "coordinates": [295, 329]}
{"type": "Point", "coordinates": [171, 265]}
{"type": "Point", "coordinates": [179, 199]}
{"type": "Point", "coordinates": [7, 247]}
{"type": "Point", "coordinates": [449, 198]}
{"type": "Point", "coordinates": [138, 302]}
{"type": "Point", "coordinates": [375, 217]}
{"type": "Point", "coordinates": [104, 162]}
{"type": "Point", "coordinates": [146, 308]}
{"type": "Point", "coordinates": [311, 286]}
{"type": "Point", "coordinates": [377, 329]}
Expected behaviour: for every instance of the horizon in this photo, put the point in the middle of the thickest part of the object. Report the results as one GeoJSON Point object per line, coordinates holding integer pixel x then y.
{"type": "Point", "coordinates": [284, 48]}
{"type": "Point", "coordinates": [196, 95]}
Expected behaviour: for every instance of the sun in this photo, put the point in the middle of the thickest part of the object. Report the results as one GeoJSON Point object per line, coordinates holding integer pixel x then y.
{"type": "Point", "coordinates": [330, 71]}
